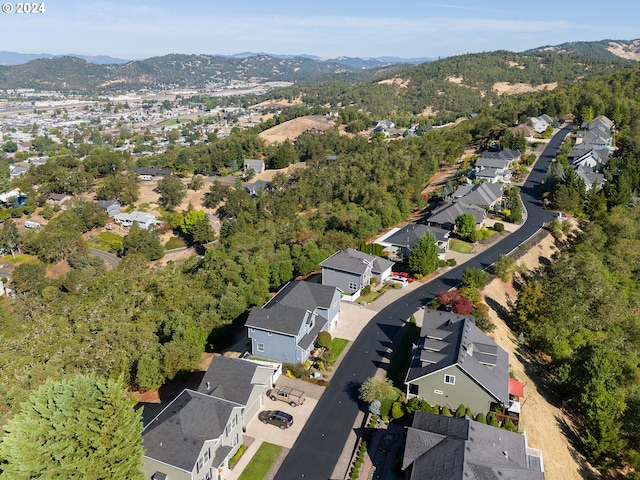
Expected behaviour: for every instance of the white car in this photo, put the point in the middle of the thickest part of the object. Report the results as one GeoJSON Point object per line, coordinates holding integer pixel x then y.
{"type": "Point", "coordinates": [401, 280]}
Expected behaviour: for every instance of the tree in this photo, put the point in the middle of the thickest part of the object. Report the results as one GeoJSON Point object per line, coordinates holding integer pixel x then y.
{"type": "Point", "coordinates": [424, 255]}
{"type": "Point", "coordinates": [324, 339]}
{"type": "Point", "coordinates": [172, 191]}
{"type": "Point", "coordinates": [81, 427]}
{"type": "Point", "coordinates": [474, 278]}
{"type": "Point", "coordinates": [142, 241]}
{"type": "Point", "coordinates": [503, 268]}
{"type": "Point", "coordinates": [285, 156]}
{"type": "Point", "coordinates": [10, 237]}
{"type": "Point", "coordinates": [376, 389]}
{"type": "Point", "coordinates": [195, 224]}
{"type": "Point", "coordinates": [196, 182]}
{"type": "Point", "coordinates": [465, 225]}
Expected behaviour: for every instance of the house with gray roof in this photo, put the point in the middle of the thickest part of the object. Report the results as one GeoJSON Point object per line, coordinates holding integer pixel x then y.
{"type": "Point", "coordinates": [255, 188]}
{"type": "Point", "coordinates": [256, 165]}
{"type": "Point", "coordinates": [351, 270]}
{"type": "Point", "coordinates": [143, 219]}
{"type": "Point", "coordinates": [455, 362]}
{"type": "Point", "coordinates": [591, 177]}
{"type": "Point", "coordinates": [193, 438]}
{"type": "Point", "coordinates": [150, 173]}
{"type": "Point", "coordinates": [451, 448]}
{"type": "Point", "coordinates": [112, 207]}
{"type": "Point", "coordinates": [445, 216]}
{"type": "Point", "coordinates": [484, 194]}
{"type": "Point", "coordinates": [285, 328]}
{"type": "Point", "coordinates": [496, 166]}
{"type": "Point", "coordinates": [243, 382]}
{"type": "Point", "coordinates": [399, 242]}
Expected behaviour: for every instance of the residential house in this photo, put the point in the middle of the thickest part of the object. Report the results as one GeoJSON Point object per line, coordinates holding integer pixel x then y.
{"type": "Point", "coordinates": [496, 166]}
{"type": "Point", "coordinates": [193, 438]}
{"type": "Point", "coordinates": [16, 171]}
{"type": "Point", "coordinates": [587, 156]}
{"type": "Point", "coordinates": [58, 199]}
{"type": "Point", "coordinates": [400, 241]}
{"type": "Point", "coordinates": [591, 177]}
{"type": "Point", "coordinates": [455, 362]}
{"type": "Point", "coordinates": [112, 207]}
{"type": "Point", "coordinates": [143, 219]}
{"type": "Point", "coordinates": [150, 173]}
{"type": "Point", "coordinates": [382, 126]}
{"type": "Point", "coordinates": [445, 216]}
{"type": "Point", "coordinates": [484, 194]}
{"type": "Point", "coordinates": [351, 270]}
{"type": "Point", "coordinates": [458, 449]}
{"type": "Point", "coordinates": [254, 188]}
{"type": "Point", "coordinates": [525, 130]}
{"type": "Point", "coordinates": [243, 382]}
{"type": "Point", "coordinates": [541, 123]}
{"type": "Point", "coordinates": [257, 165]}
{"type": "Point", "coordinates": [286, 327]}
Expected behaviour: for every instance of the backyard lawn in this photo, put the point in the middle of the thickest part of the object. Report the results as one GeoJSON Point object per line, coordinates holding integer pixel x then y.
{"type": "Point", "coordinates": [107, 241]}
{"type": "Point", "coordinates": [460, 246]}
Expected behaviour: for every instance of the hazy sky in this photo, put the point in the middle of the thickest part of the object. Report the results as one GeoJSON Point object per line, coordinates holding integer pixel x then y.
{"type": "Point", "coordinates": [142, 28]}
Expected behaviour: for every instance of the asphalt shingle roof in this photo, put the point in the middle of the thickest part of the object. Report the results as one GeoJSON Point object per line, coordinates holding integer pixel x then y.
{"type": "Point", "coordinates": [448, 213]}
{"type": "Point", "coordinates": [350, 260]}
{"type": "Point", "coordinates": [482, 194]}
{"type": "Point", "coordinates": [229, 379]}
{"type": "Point", "coordinates": [177, 434]}
{"type": "Point", "coordinates": [410, 234]}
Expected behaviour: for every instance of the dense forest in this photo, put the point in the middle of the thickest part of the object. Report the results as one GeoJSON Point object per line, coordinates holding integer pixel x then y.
{"type": "Point", "coordinates": [136, 323]}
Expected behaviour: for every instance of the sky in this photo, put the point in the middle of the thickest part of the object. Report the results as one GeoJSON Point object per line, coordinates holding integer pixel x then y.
{"type": "Point", "coordinates": [136, 29]}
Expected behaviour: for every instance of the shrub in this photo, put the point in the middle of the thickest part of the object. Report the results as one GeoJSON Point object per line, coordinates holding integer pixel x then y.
{"type": "Point", "coordinates": [492, 420]}
{"type": "Point", "coordinates": [451, 262]}
{"type": "Point", "coordinates": [397, 411]}
{"type": "Point", "coordinates": [480, 418]}
{"type": "Point", "coordinates": [446, 411]}
{"type": "Point", "coordinates": [498, 227]}
{"type": "Point", "coordinates": [442, 263]}
{"type": "Point", "coordinates": [509, 425]}
{"type": "Point", "coordinates": [374, 407]}
{"type": "Point", "coordinates": [461, 411]}
{"type": "Point", "coordinates": [233, 460]}
{"type": "Point", "coordinates": [413, 320]}
{"type": "Point", "coordinates": [366, 290]}
{"type": "Point", "coordinates": [468, 413]}
{"type": "Point", "coordinates": [324, 339]}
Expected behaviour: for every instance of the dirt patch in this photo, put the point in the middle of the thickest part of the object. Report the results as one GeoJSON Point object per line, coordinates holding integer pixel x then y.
{"type": "Point", "coordinates": [58, 270]}
{"type": "Point", "coordinates": [514, 88]}
{"type": "Point", "coordinates": [279, 103]}
{"type": "Point", "coordinates": [454, 79]}
{"type": "Point", "coordinates": [546, 425]}
{"type": "Point", "coordinates": [397, 82]}
{"type": "Point", "coordinates": [628, 52]}
{"type": "Point", "coordinates": [294, 128]}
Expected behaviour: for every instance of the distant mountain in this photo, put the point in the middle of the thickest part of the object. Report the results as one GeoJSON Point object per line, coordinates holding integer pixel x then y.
{"type": "Point", "coordinates": [172, 71]}
{"type": "Point", "coordinates": [14, 58]}
{"type": "Point", "coordinates": [354, 62]}
{"type": "Point", "coordinates": [627, 49]}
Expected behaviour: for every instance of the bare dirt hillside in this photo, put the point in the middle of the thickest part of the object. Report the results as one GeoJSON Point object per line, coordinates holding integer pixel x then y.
{"type": "Point", "coordinates": [546, 426]}
{"type": "Point", "coordinates": [293, 128]}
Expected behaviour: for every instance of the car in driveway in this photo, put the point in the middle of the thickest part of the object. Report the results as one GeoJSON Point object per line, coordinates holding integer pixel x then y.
{"type": "Point", "coordinates": [276, 417]}
{"type": "Point", "coordinates": [292, 396]}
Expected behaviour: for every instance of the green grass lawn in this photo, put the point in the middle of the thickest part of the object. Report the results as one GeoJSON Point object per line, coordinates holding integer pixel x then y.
{"type": "Point", "coordinates": [336, 348]}
{"type": "Point", "coordinates": [169, 121]}
{"type": "Point", "coordinates": [107, 241]}
{"type": "Point", "coordinates": [20, 258]}
{"type": "Point", "coordinates": [460, 246]}
{"type": "Point", "coordinates": [175, 242]}
{"type": "Point", "coordinates": [261, 462]}
{"type": "Point", "coordinates": [372, 295]}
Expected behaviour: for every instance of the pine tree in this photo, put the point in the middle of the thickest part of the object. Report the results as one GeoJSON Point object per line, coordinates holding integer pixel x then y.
{"type": "Point", "coordinates": [82, 427]}
{"type": "Point", "coordinates": [424, 255]}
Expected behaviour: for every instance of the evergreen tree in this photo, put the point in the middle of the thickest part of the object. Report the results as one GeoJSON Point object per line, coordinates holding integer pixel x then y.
{"type": "Point", "coordinates": [424, 255]}
{"type": "Point", "coordinates": [465, 225]}
{"type": "Point", "coordinates": [142, 241]}
{"type": "Point", "coordinates": [82, 427]}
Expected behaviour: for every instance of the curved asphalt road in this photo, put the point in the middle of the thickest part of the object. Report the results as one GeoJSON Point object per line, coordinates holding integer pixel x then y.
{"type": "Point", "coordinates": [319, 446]}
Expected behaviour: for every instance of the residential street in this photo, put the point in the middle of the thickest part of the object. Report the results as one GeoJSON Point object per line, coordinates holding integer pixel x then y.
{"type": "Point", "coordinates": [318, 449]}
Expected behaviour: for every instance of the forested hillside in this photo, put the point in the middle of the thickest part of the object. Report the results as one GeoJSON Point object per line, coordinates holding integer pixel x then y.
{"type": "Point", "coordinates": [455, 86]}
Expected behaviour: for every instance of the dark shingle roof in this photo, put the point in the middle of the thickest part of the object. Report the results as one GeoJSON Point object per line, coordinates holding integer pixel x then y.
{"type": "Point", "coordinates": [448, 213]}
{"type": "Point", "coordinates": [466, 346]}
{"type": "Point", "coordinates": [229, 379]}
{"type": "Point", "coordinates": [482, 194]}
{"type": "Point", "coordinates": [450, 448]}
{"type": "Point", "coordinates": [178, 433]}
{"type": "Point", "coordinates": [351, 260]}
{"type": "Point", "coordinates": [410, 234]}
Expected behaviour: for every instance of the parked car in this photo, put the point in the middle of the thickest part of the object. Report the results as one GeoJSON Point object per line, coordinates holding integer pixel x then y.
{"type": "Point", "coordinates": [277, 418]}
{"type": "Point", "coordinates": [400, 280]}
{"type": "Point", "coordinates": [292, 396]}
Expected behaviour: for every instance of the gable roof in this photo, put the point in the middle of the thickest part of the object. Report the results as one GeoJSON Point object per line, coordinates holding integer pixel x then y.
{"type": "Point", "coordinates": [291, 307]}
{"type": "Point", "coordinates": [448, 213]}
{"type": "Point", "coordinates": [506, 155]}
{"type": "Point", "coordinates": [177, 434]}
{"type": "Point", "coordinates": [484, 194]}
{"type": "Point", "coordinates": [253, 163]}
{"type": "Point", "coordinates": [450, 448]}
{"type": "Point", "coordinates": [448, 339]}
{"type": "Point", "coordinates": [350, 260]}
{"type": "Point", "coordinates": [409, 235]}
{"type": "Point", "coordinates": [151, 171]}
{"type": "Point", "coordinates": [230, 379]}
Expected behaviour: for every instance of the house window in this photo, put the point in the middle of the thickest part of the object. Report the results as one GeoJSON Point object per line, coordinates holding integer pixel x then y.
{"type": "Point", "coordinates": [260, 347]}
{"type": "Point", "coordinates": [353, 286]}
{"type": "Point", "coordinates": [450, 379]}
{"type": "Point", "coordinates": [232, 424]}
{"type": "Point", "coordinates": [208, 476]}
{"type": "Point", "coordinates": [203, 460]}
{"type": "Point", "coordinates": [234, 442]}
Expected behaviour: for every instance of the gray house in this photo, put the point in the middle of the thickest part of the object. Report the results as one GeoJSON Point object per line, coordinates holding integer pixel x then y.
{"type": "Point", "coordinates": [243, 382]}
{"type": "Point", "coordinates": [351, 270]}
{"type": "Point", "coordinates": [485, 194]}
{"type": "Point", "coordinates": [496, 166]}
{"type": "Point", "coordinates": [193, 438]}
{"type": "Point", "coordinates": [455, 362]}
{"type": "Point", "coordinates": [400, 241]}
{"type": "Point", "coordinates": [445, 216]}
{"type": "Point", "coordinates": [458, 448]}
{"type": "Point", "coordinates": [256, 165]}
{"type": "Point", "coordinates": [112, 207]}
{"type": "Point", "coordinates": [286, 327]}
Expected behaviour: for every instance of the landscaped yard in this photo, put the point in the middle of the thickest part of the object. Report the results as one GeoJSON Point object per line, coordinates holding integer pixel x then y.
{"type": "Point", "coordinates": [261, 462]}
{"type": "Point", "coordinates": [174, 242]}
{"type": "Point", "coordinates": [460, 246]}
{"type": "Point", "coordinates": [402, 356]}
{"type": "Point", "coordinates": [372, 295]}
{"type": "Point", "coordinates": [336, 348]}
{"type": "Point", "coordinates": [107, 241]}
